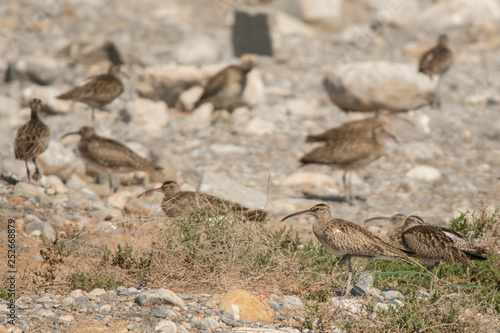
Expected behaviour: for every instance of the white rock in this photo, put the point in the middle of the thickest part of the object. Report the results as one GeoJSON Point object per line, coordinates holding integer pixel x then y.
{"type": "Point", "coordinates": [478, 15]}
{"type": "Point", "coordinates": [75, 182]}
{"type": "Point", "coordinates": [367, 86]}
{"type": "Point", "coordinates": [254, 92]}
{"type": "Point", "coordinates": [197, 50]}
{"type": "Point", "coordinates": [59, 160]}
{"type": "Point", "coordinates": [10, 115]}
{"type": "Point", "coordinates": [399, 13]}
{"type": "Point", "coordinates": [287, 25]}
{"type": "Point", "coordinates": [166, 326]}
{"type": "Point", "coordinates": [150, 113]}
{"type": "Point", "coordinates": [308, 178]}
{"type": "Point", "coordinates": [298, 106]}
{"type": "Point", "coordinates": [97, 292]}
{"type": "Point", "coordinates": [76, 293]}
{"type": "Point", "coordinates": [321, 10]}
{"type": "Point", "coordinates": [118, 199]}
{"type": "Point", "coordinates": [352, 305]}
{"type": "Point", "coordinates": [259, 126]}
{"type": "Point", "coordinates": [66, 318]}
{"type": "Point", "coordinates": [230, 189]}
{"type": "Point", "coordinates": [425, 173]}
{"type": "Point", "coordinates": [190, 96]}
{"type": "Point", "coordinates": [171, 297]}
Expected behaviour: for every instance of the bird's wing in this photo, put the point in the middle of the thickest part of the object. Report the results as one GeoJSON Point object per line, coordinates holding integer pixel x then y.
{"type": "Point", "coordinates": [31, 140]}
{"type": "Point", "coordinates": [111, 154]}
{"type": "Point", "coordinates": [339, 153]}
{"type": "Point", "coordinates": [215, 84]}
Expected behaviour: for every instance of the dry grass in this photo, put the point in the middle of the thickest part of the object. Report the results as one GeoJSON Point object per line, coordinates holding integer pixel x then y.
{"type": "Point", "coordinates": [200, 254]}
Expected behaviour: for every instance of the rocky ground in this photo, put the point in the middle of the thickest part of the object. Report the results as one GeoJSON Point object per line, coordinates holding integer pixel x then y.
{"type": "Point", "coordinates": [445, 163]}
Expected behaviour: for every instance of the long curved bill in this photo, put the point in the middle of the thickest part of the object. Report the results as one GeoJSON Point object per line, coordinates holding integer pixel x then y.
{"type": "Point", "coordinates": [70, 133]}
{"type": "Point", "coordinates": [150, 191]}
{"type": "Point", "coordinates": [378, 218]}
{"type": "Point", "coordinates": [295, 214]}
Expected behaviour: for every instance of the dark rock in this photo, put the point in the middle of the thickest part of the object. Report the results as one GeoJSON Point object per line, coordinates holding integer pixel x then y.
{"type": "Point", "coordinates": [251, 33]}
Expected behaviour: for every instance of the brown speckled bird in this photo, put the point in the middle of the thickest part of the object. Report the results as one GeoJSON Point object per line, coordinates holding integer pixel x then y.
{"type": "Point", "coordinates": [176, 202]}
{"type": "Point", "coordinates": [98, 92]}
{"type": "Point", "coordinates": [350, 154]}
{"type": "Point", "coordinates": [108, 155]}
{"type": "Point", "coordinates": [225, 89]}
{"type": "Point", "coordinates": [437, 61]}
{"type": "Point", "coordinates": [354, 129]}
{"type": "Point", "coordinates": [473, 251]}
{"type": "Point", "coordinates": [32, 139]}
{"type": "Point", "coordinates": [433, 244]}
{"type": "Point", "coordinates": [348, 240]}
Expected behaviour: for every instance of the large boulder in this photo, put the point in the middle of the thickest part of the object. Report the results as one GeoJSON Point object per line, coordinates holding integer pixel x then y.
{"type": "Point", "coordinates": [368, 86]}
{"type": "Point", "coordinates": [475, 16]}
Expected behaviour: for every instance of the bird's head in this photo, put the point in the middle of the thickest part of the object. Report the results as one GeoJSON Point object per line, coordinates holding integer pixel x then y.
{"type": "Point", "coordinates": [169, 188]}
{"type": "Point", "coordinates": [85, 132]}
{"type": "Point", "coordinates": [319, 211]}
{"type": "Point", "coordinates": [412, 221]}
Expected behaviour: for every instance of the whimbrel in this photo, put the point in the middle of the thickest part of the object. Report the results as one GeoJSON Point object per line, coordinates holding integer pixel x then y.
{"type": "Point", "coordinates": [32, 139]}
{"type": "Point", "coordinates": [459, 242]}
{"type": "Point", "coordinates": [108, 155]}
{"type": "Point", "coordinates": [98, 92]}
{"type": "Point", "coordinates": [437, 61]}
{"type": "Point", "coordinates": [433, 244]}
{"type": "Point", "coordinates": [348, 240]}
{"type": "Point", "coordinates": [350, 154]}
{"type": "Point", "coordinates": [224, 90]}
{"type": "Point", "coordinates": [176, 202]}
{"type": "Point", "coordinates": [354, 129]}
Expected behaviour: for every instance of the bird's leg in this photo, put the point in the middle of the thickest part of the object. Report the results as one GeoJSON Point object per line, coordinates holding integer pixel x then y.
{"type": "Point", "coordinates": [93, 116]}
{"type": "Point", "coordinates": [28, 171]}
{"type": "Point", "coordinates": [432, 281]}
{"type": "Point", "coordinates": [37, 175]}
{"type": "Point", "coordinates": [111, 185]}
{"type": "Point", "coordinates": [352, 198]}
{"type": "Point", "coordinates": [436, 99]}
{"type": "Point", "coordinates": [349, 277]}
{"type": "Point", "coordinates": [344, 182]}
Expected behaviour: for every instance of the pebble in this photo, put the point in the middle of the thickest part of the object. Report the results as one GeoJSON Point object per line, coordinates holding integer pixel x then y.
{"type": "Point", "coordinates": [424, 173]}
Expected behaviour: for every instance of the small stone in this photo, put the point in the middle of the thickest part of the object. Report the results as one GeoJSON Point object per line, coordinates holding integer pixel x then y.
{"type": "Point", "coordinates": [158, 313]}
{"type": "Point", "coordinates": [424, 173]}
{"type": "Point", "coordinates": [357, 291]}
{"type": "Point", "coordinates": [122, 291]}
{"type": "Point", "coordinates": [292, 302]}
{"type": "Point", "coordinates": [66, 319]}
{"type": "Point", "coordinates": [97, 292]}
{"type": "Point", "coordinates": [365, 280]}
{"type": "Point", "coordinates": [166, 326]}
{"type": "Point", "coordinates": [275, 306]}
{"type": "Point", "coordinates": [67, 301]}
{"type": "Point", "coordinates": [392, 294]}
{"type": "Point", "coordinates": [105, 308]}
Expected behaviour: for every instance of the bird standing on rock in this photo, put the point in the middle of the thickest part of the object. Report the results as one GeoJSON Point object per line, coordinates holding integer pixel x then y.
{"type": "Point", "coordinates": [348, 240]}
{"type": "Point", "coordinates": [437, 61]}
{"type": "Point", "coordinates": [109, 155]}
{"type": "Point", "coordinates": [350, 153]}
{"type": "Point", "coordinates": [32, 139]}
{"type": "Point", "coordinates": [176, 202]}
{"type": "Point", "coordinates": [99, 92]}
{"type": "Point", "coordinates": [225, 89]}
